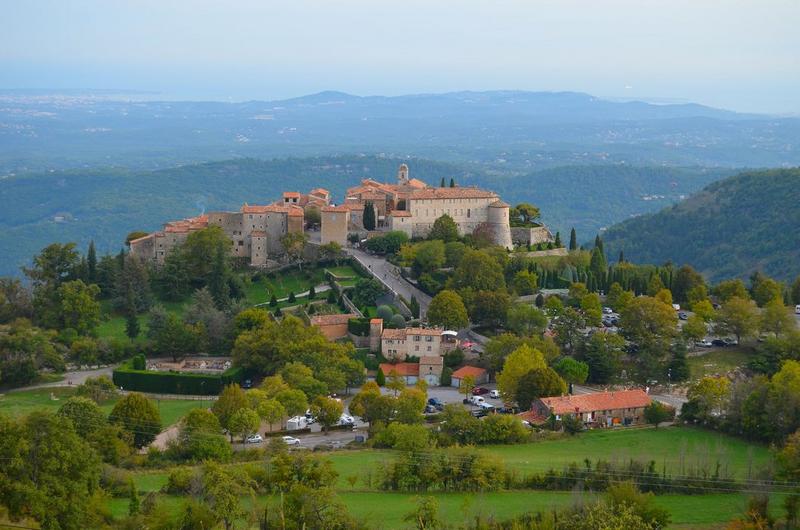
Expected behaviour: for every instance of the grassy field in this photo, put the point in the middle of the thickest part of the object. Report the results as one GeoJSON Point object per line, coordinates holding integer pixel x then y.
{"type": "Point", "coordinates": [716, 362]}
{"type": "Point", "coordinates": [677, 449]}
{"type": "Point", "coordinates": [386, 510]}
{"type": "Point", "coordinates": [344, 271]}
{"type": "Point", "coordinates": [113, 325]}
{"type": "Point", "coordinates": [25, 401]}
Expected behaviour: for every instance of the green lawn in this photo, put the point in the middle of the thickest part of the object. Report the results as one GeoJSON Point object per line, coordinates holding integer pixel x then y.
{"type": "Point", "coordinates": [25, 401]}
{"type": "Point", "coordinates": [344, 271]}
{"type": "Point", "coordinates": [716, 362]}
{"type": "Point", "coordinates": [113, 325]}
{"type": "Point", "coordinates": [386, 510]}
{"type": "Point", "coordinates": [676, 448]}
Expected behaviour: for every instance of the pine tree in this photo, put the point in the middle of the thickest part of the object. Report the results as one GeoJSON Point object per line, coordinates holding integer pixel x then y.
{"type": "Point", "coordinates": [452, 182]}
{"type": "Point", "coordinates": [380, 379]}
{"type": "Point", "coordinates": [558, 239]}
{"type": "Point", "coordinates": [278, 313]}
{"type": "Point", "coordinates": [573, 240]}
{"type": "Point", "coordinates": [291, 298]}
{"type": "Point", "coordinates": [621, 257]}
{"type": "Point", "coordinates": [441, 184]}
{"type": "Point", "coordinates": [273, 301]}
{"type": "Point", "coordinates": [91, 263]}
{"type": "Point", "coordinates": [312, 293]}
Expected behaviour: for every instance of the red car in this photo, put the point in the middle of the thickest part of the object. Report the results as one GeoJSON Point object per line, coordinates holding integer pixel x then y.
{"type": "Point", "coordinates": [479, 391]}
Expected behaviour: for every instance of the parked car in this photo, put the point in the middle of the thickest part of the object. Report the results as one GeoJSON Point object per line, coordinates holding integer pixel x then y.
{"type": "Point", "coordinates": [719, 343]}
{"type": "Point", "coordinates": [291, 440]}
{"type": "Point", "coordinates": [346, 419]}
{"type": "Point", "coordinates": [797, 309]}
{"type": "Point", "coordinates": [730, 342]}
{"type": "Point", "coordinates": [486, 406]}
{"type": "Point", "coordinates": [254, 439]}
{"type": "Point", "coordinates": [477, 400]}
{"type": "Point", "coordinates": [705, 343]}
{"type": "Point", "coordinates": [309, 418]}
{"type": "Point", "coordinates": [494, 394]}
{"type": "Point", "coordinates": [334, 444]}
{"type": "Point", "coordinates": [248, 383]}
{"type": "Point", "coordinates": [676, 307]}
{"type": "Point", "coordinates": [436, 403]}
{"type": "Point", "coordinates": [466, 401]}
{"type": "Point", "coordinates": [430, 409]}
{"type": "Point", "coordinates": [683, 315]}
{"type": "Point", "coordinates": [607, 310]}
{"type": "Point", "coordinates": [479, 391]}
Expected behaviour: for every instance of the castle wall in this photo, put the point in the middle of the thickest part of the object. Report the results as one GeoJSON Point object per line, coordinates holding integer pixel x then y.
{"type": "Point", "coordinates": [531, 235]}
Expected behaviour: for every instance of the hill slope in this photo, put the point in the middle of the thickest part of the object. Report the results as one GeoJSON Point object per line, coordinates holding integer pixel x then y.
{"type": "Point", "coordinates": [733, 227]}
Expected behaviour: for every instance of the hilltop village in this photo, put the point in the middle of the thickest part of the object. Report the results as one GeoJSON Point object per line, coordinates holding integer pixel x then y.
{"type": "Point", "coordinates": [370, 208]}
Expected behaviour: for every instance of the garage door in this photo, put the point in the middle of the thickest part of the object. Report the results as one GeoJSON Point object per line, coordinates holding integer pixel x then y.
{"type": "Point", "coordinates": [432, 379]}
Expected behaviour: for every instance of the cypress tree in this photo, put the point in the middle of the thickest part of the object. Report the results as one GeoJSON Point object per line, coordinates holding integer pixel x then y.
{"type": "Point", "coordinates": [369, 216]}
{"type": "Point", "coordinates": [573, 240]}
{"type": "Point", "coordinates": [452, 182]}
{"type": "Point", "coordinates": [278, 312]}
{"type": "Point", "coordinates": [312, 293]}
{"type": "Point", "coordinates": [273, 302]}
{"type": "Point", "coordinates": [414, 306]}
{"type": "Point", "coordinates": [132, 328]}
{"type": "Point", "coordinates": [380, 379]}
{"type": "Point", "coordinates": [539, 300]}
{"type": "Point", "coordinates": [292, 298]}
{"type": "Point", "coordinates": [441, 184]}
{"type": "Point", "coordinates": [218, 279]}
{"type": "Point", "coordinates": [621, 257]}
{"type": "Point", "coordinates": [91, 263]}
{"type": "Point", "coordinates": [134, 504]}
{"type": "Point", "coordinates": [558, 239]}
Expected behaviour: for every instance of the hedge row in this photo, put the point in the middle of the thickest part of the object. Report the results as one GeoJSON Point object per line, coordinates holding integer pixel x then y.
{"type": "Point", "coordinates": [174, 382]}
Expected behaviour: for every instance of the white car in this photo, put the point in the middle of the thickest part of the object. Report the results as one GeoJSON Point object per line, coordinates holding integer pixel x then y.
{"type": "Point", "coordinates": [705, 343]}
{"type": "Point", "coordinates": [346, 419]}
{"type": "Point", "coordinates": [254, 439]}
{"type": "Point", "coordinates": [291, 440]}
{"type": "Point", "coordinates": [494, 394]}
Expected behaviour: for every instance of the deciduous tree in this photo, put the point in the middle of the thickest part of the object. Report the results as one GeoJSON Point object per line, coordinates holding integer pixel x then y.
{"type": "Point", "coordinates": [139, 416]}
{"type": "Point", "coordinates": [447, 310]}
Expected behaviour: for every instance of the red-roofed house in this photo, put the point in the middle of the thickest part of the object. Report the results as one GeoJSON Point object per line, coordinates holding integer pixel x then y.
{"type": "Point", "coordinates": [332, 326]}
{"type": "Point", "coordinates": [480, 375]}
{"type": "Point", "coordinates": [622, 407]}
{"type": "Point", "coordinates": [408, 371]}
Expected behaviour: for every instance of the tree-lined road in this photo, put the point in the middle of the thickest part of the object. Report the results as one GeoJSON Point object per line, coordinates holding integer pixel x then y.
{"type": "Point", "coordinates": [389, 275]}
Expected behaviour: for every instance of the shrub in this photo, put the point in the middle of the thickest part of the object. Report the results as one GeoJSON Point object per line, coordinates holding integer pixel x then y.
{"type": "Point", "coordinates": [358, 326]}
{"type": "Point", "coordinates": [179, 481]}
{"type": "Point", "coordinates": [130, 378]}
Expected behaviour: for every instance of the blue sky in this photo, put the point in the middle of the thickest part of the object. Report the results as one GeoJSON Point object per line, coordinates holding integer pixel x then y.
{"type": "Point", "coordinates": [742, 55]}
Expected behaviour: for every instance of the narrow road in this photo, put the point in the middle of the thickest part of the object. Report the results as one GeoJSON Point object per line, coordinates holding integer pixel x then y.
{"type": "Point", "coordinates": [389, 276]}
{"type": "Point", "coordinates": [75, 378]}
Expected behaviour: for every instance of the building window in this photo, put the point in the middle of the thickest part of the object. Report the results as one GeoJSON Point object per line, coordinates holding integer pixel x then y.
{"type": "Point", "coordinates": [469, 212]}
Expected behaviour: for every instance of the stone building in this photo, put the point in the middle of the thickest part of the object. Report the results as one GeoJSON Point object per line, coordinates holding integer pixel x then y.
{"type": "Point", "coordinates": [397, 344]}
{"type": "Point", "coordinates": [412, 206]}
{"type": "Point", "coordinates": [255, 232]}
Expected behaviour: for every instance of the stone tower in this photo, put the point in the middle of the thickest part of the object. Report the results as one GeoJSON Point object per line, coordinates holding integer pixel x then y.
{"type": "Point", "coordinates": [402, 175]}
{"type": "Point", "coordinates": [498, 221]}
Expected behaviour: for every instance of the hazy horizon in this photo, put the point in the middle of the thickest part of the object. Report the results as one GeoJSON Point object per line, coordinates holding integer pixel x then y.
{"type": "Point", "coordinates": [741, 57]}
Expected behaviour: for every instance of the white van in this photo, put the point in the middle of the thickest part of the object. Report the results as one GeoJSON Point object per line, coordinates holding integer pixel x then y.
{"type": "Point", "coordinates": [797, 309]}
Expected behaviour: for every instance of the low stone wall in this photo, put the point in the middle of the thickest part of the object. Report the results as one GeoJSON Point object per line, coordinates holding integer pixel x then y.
{"type": "Point", "coordinates": [524, 235]}
{"type": "Point", "coordinates": [542, 253]}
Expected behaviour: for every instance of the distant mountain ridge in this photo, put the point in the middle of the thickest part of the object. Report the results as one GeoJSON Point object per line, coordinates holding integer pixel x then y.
{"type": "Point", "coordinates": [513, 130]}
{"type": "Point", "coordinates": [731, 228]}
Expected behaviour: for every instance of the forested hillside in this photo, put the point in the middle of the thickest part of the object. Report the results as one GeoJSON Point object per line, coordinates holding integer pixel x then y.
{"type": "Point", "coordinates": [106, 204]}
{"type": "Point", "coordinates": [731, 228]}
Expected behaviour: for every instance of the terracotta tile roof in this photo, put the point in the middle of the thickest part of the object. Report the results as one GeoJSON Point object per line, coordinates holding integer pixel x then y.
{"type": "Point", "coordinates": [320, 191]}
{"type": "Point", "coordinates": [400, 213]}
{"type": "Point", "coordinates": [340, 208]}
{"type": "Point", "coordinates": [622, 399]}
{"type": "Point", "coordinates": [532, 416]}
{"type": "Point", "coordinates": [464, 371]}
{"type": "Point", "coordinates": [375, 320]}
{"type": "Point", "coordinates": [436, 332]}
{"type": "Point", "coordinates": [330, 320]}
{"type": "Point", "coordinates": [417, 183]}
{"type": "Point", "coordinates": [394, 334]}
{"type": "Point", "coordinates": [451, 193]}
{"type": "Point", "coordinates": [499, 204]}
{"type": "Point", "coordinates": [435, 360]}
{"type": "Point", "coordinates": [292, 194]}
{"type": "Point", "coordinates": [296, 211]}
{"type": "Point", "coordinates": [255, 208]}
{"type": "Point", "coordinates": [402, 369]}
